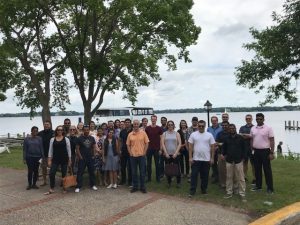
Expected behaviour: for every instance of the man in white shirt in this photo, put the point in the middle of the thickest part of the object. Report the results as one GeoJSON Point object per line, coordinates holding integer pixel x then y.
{"type": "Point", "coordinates": [201, 154]}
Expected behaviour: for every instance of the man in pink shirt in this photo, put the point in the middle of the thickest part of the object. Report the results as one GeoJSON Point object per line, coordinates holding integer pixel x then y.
{"type": "Point", "coordinates": [262, 143]}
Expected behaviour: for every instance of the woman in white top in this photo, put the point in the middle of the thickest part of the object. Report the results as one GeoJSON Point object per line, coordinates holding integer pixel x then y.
{"type": "Point", "coordinates": [171, 144]}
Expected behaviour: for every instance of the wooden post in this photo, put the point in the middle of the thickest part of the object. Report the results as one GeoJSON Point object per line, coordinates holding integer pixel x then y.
{"type": "Point", "coordinates": [293, 124]}
{"type": "Point", "coordinates": [285, 124]}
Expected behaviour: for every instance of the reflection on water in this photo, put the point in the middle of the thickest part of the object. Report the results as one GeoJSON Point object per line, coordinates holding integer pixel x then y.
{"type": "Point", "coordinates": [290, 138]}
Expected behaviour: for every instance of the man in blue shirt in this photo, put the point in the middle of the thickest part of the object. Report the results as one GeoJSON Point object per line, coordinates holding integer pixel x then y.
{"type": "Point", "coordinates": [245, 132]}
{"type": "Point", "coordinates": [215, 129]}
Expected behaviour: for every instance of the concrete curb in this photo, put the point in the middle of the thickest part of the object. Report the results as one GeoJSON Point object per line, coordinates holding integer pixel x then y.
{"type": "Point", "coordinates": [282, 215]}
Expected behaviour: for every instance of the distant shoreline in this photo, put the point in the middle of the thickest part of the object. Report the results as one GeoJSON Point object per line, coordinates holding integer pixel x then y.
{"type": "Point", "coordinates": [188, 110]}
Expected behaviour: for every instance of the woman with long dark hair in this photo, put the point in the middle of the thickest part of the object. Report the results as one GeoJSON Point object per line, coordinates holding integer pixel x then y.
{"type": "Point", "coordinates": [111, 158]}
{"type": "Point", "coordinates": [73, 141]}
{"type": "Point", "coordinates": [171, 144]}
{"type": "Point", "coordinates": [184, 153]}
{"type": "Point", "coordinates": [32, 153]}
{"type": "Point", "coordinates": [59, 155]}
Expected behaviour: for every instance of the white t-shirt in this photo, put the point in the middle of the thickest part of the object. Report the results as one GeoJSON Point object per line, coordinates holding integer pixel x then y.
{"type": "Point", "coordinates": [202, 142]}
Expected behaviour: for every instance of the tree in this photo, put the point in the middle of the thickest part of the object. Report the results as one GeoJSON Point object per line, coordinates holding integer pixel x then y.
{"type": "Point", "coordinates": [117, 44]}
{"type": "Point", "coordinates": [275, 67]}
{"type": "Point", "coordinates": [30, 57]}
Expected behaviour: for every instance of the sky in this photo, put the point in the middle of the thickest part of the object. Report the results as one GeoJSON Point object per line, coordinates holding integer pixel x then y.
{"type": "Point", "coordinates": [224, 29]}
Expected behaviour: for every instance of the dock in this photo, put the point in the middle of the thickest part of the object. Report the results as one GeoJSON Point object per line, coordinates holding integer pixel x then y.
{"type": "Point", "coordinates": [291, 125]}
{"type": "Point", "coordinates": [11, 140]}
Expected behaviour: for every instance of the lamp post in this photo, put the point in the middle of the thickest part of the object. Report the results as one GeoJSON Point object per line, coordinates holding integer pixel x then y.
{"type": "Point", "coordinates": [208, 107]}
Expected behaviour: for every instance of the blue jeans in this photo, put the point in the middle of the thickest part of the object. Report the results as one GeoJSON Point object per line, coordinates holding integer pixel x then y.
{"type": "Point", "coordinates": [155, 154]}
{"type": "Point", "coordinates": [33, 169]}
{"type": "Point", "coordinates": [201, 167]}
{"type": "Point", "coordinates": [54, 166]}
{"type": "Point", "coordinates": [138, 162]}
{"type": "Point", "coordinates": [89, 163]}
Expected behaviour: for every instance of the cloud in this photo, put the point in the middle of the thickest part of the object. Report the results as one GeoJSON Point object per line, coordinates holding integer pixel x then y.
{"type": "Point", "coordinates": [225, 27]}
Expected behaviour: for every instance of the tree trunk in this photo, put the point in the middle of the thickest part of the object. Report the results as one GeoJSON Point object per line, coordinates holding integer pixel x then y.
{"type": "Point", "coordinates": [46, 113]}
{"type": "Point", "coordinates": [87, 112]}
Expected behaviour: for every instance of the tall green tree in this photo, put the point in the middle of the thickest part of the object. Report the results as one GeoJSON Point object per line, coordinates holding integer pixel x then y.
{"type": "Point", "coordinates": [276, 64]}
{"type": "Point", "coordinates": [31, 59]}
{"type": "Point", "coordinates": [117, 44]}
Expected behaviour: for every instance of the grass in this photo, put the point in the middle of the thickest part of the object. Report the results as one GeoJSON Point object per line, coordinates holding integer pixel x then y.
{"type": "Point", "coordinates": [13, 160]}
{"type": "Point", "coordinates": [285, 176]}
{"type": "Point", "coordinates": [286, 185]}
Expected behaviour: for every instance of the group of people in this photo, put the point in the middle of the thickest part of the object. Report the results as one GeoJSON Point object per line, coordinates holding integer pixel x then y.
{"type": "Point", "coordinates": [125, 150]}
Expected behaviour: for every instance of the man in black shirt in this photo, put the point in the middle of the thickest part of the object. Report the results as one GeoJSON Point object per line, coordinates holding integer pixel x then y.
{"type": "Point", "coordinates": [46, 135]}
{"type": "Point", "coordinates": [234, 152]}
{"type": "Point", "coordinates": [85, 151]}
{"type": "Point", "coordinates": [125, 157]}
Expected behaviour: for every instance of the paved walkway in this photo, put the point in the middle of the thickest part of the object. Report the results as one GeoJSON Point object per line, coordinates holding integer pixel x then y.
{"type": "Point", "coordinates": [104, 206]}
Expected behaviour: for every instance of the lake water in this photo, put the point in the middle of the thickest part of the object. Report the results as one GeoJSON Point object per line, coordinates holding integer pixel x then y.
{"type": "Point", "coordinates": [290, 138]}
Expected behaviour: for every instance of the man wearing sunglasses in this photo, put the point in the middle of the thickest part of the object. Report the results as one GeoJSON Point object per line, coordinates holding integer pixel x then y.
{"type": "Point", "coordinates": [245, 133]}
{"type": "Point", "coordinates": [201, 154]}
{"type": "Point", "coordinates": [262, 143]}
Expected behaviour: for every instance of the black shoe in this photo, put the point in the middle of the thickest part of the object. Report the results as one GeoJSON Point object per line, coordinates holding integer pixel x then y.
{"type": "Point", "coordinates": [143, 190]}
{"type": "Point", "coordinates": [133, 190]}
{"type": "Point", "coordinates": [270, 192]}
{"type": "Point", "coordinates": [204, 192]}
{"type": "Point", "coordinates": [28, 187]}
{"type": "Point", "coordinates": [34, 186]}
{"type": "Point", "coordinates": [191, 194]}
{"type": "Point", "coordinates": [256, 189]}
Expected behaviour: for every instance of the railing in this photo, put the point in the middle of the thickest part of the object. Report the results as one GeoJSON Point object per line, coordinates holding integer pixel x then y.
{"type": "Point", "coordinates": [11, 140]}
{"type": "Point", "coordinates": [10, 135]}
{"type": "Point", "coordinates": [291, 125]}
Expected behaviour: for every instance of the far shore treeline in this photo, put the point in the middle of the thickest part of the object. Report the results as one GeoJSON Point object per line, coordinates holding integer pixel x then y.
{"type": "Point", "coordinates": [191, 110]}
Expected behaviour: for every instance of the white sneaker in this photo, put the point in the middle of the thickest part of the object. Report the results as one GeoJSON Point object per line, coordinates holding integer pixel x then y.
{"type": "Point", "coordinates": [109, 186]}
{"type": "Point", "coordinates": [94, 188]}
{"type": "Point", "coordinates": [114, 186]}
{"type": "Point", "coordinates": [77, 190]}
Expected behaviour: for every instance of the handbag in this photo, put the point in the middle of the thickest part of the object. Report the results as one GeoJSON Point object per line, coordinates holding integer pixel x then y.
{"type": "Point", "coordinates": [69, 181]}
{"type": "Point", "coordinates": [172, 169]}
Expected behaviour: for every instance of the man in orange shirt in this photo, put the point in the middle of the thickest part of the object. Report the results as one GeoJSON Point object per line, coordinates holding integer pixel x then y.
{"type": "Point", "coordinates": [137, 145]}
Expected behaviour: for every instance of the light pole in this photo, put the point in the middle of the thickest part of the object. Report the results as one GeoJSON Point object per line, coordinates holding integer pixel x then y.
{"type": "Point", "coordinates": [208, 107]}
